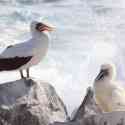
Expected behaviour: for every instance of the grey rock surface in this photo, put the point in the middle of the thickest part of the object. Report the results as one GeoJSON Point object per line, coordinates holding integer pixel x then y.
{"type": "Point", "coordinates": [30, 102]}
{"type": "Point", "coordinates": [88, 106]}
{"type": "Point", "coordinates": [89, 114]}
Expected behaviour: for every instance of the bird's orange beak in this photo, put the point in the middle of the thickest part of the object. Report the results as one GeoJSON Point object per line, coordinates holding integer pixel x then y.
{"type": "Point", "coordinates": [49, 28]}
{"type": "Point", "coordinates": [46, 28]}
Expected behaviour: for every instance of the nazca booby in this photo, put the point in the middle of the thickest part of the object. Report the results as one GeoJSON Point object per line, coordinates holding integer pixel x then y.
{"type": "Point", "coordinates": [24, 55]}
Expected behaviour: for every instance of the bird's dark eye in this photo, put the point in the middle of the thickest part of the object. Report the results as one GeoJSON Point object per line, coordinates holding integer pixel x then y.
{"type": "Point", "coordinates": [39, 25]}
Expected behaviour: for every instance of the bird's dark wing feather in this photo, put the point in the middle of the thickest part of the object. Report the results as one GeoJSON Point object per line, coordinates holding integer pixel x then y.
{"type": "Point", "coordinates": [9, 46]}
{"type": "Point", "coordinates": [13, 63]}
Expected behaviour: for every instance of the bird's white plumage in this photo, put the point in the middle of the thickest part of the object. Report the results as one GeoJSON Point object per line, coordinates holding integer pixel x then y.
{"type": "Point", "coordinates": [109, 93]}
{"type": "Point", "coordinates": [36, 47]}
{"type": "Point", "coordinates": [20, 50]}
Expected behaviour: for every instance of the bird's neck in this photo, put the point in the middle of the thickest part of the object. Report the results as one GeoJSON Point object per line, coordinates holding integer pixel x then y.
{"type": "Point", "coordinates": [40, 37]}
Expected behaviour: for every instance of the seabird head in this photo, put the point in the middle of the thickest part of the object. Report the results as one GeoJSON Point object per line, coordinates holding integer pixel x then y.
{"type": "Point", "coordinates": [107, 71]}
{"type": "Point", "coordinates": [39, 27]}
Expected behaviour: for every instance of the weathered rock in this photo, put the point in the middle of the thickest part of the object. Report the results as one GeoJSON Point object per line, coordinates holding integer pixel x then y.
{"type": "Point", "coordinates": [89, 114]}
{"type": "Point", "coordinates": [30, 102]}
{"type": "Point", "coordinates": [85, 115]}
{"type": "Point", "coordinates": [88, 106]}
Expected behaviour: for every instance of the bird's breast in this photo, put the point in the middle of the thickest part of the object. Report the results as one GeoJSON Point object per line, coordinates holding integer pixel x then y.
{"type": "Point", "coordinates": [39, 51]}
{"type": "Point", "coordinates": [103, 89]}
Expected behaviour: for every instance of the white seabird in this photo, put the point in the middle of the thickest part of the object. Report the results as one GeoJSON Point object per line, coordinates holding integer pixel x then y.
{"type": "Point", "coordinates": [24, 55]}
{"type": "Point", "coordinates": [109, 93]}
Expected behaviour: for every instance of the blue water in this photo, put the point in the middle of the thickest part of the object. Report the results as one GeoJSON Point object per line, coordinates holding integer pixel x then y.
{"type": "Point", "coordinates": [88, 33]}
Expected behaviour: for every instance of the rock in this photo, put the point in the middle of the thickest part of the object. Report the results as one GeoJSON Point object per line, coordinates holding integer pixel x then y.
{"type": "Point", "coordinates": [110, 118]}
{"type": "Point", "coordinates": [30, 102]}
{"type": "Point", "coordinates": [88, 106]}
{"type": "Point", "coordinates": [85, 114]}
{"type": "Point", "coordinates": [89, 114]}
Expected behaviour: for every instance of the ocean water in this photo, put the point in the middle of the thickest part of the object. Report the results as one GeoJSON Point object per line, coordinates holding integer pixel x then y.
{"type": "Point", "coordinates": [88, 33]}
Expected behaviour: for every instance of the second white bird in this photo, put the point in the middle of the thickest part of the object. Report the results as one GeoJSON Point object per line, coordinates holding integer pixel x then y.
{"type": "Point", "coordinates": [109, 93]}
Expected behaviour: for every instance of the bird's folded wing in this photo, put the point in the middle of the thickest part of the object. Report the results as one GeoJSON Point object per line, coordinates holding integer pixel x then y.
{"type": "Point", "coordinates": [13, 63]}
{"type": "Point", "coordinates": [118, 98]}
{"type": "Point", "coordinates": [19, 50]}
